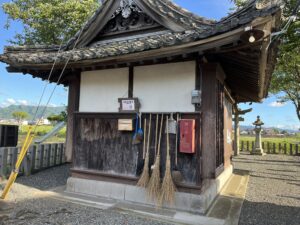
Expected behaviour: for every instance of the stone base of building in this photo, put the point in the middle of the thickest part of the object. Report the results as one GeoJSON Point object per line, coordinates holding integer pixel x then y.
{"type": "Point", "coordinates": [194, 203]}
{"type": "Point", "coordinates": [258, 151]}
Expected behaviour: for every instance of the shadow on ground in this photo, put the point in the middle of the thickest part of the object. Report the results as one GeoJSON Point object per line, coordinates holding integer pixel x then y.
{"type": "Point", "coordinates": [261, 213]}
{"type": "Point", "coordinates": [47, 179]}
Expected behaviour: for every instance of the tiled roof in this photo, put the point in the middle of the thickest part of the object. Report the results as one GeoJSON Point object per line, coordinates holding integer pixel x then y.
{"type": "Point", "coordinates": [199, 28]}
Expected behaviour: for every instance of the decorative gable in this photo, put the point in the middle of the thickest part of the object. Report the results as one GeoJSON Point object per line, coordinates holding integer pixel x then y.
{"type": "Point", "coordinates": [127, 18]}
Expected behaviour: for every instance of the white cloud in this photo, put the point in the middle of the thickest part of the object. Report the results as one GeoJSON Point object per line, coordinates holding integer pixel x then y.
{"type": "Point", "coordinates": [277, 104]}
{"type": "Point", "coordinates": [22, 102]}
{"type": "Point", "coordinates": [11, 101]}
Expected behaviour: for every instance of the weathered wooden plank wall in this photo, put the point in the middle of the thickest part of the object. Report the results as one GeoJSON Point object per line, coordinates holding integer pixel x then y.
{"type": "Point", "coordinates": [100, 146]}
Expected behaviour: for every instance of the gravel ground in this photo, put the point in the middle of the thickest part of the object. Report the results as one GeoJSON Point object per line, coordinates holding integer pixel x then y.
{"type": "Point", "coordinates": [273, 194]}
{"type": "Point", "coordinates": [33, 206]}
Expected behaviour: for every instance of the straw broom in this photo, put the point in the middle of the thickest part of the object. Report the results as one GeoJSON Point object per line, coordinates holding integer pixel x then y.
{"type": "Point", "coordinates": [144, 178]}
{"type": "Point", "coordinates": [168, 187]}
{"type": "Point", "coordinates": [153, 189]}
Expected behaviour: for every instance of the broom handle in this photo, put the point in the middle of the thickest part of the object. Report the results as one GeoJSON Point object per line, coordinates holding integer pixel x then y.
{"type": "Point", "coordinates": [168, 147]}
{"type": "Point", "coordinates": [160, 130]}
{"type": "Point", "coordinates": [149, 131]}
{"type": "Point", "coordinates": [156, 133]}
{"type": "Point", "coordinates": [176, 144]}
{"type": "Point", "coordinates": [140, 117]}
{"type": "Point", "coordinates": [145, 130]}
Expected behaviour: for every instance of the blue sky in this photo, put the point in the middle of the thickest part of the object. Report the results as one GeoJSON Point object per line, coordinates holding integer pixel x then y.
{"type": "Point", "coordinates": [23, 89]}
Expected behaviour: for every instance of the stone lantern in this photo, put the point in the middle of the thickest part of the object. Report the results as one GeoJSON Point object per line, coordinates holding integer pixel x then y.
{"type": "Point", "coordinates": [258, 150]}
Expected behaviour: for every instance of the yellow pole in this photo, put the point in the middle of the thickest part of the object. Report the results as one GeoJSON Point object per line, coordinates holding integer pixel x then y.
{"type": "Point", "coordinates": [14, 173]}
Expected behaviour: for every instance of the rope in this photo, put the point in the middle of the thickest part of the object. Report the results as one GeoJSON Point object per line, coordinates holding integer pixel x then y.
{"type": "Point", "coordinates": [47, 82]}
{"type": "Point", "coordinates": [58, 81]}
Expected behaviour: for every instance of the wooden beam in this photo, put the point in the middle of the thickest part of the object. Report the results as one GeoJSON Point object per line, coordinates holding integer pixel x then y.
{"type": "Point", "coordinates": [130, 82]}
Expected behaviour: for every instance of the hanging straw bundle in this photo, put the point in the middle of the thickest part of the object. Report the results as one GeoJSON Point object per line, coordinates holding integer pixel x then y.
{"type": "Point", "coordinates": [154, 185]}
{"type": "Point", "coordinates": [144, 179]}
{"type": "Point", "coordinates": [168, 187]}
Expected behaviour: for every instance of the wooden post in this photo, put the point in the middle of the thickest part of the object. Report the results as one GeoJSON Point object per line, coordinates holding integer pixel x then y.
{"type": "Point", "coordinates": [242, 147]}
{"type": "Point", "coordinates": [263, 145]}
{"type": "Point", "coordinates": [32, 152]}
{"type": "Point", "coordinates": [279, 151]}
{"type": "Point", "coordinates": [73, 106]}
{"type": "Point", "coordinates": [268, 148]}
{"type": "Point", "coordinates": [55, 154]}
{"type": "Point", "coordinates": [297, 146]}
{"type": "Point", "coordinates": [61, 153]}
{"type": "Point", "coordinates": [41, 156]}
{"type": "Point", "coordinates": [247, 146]}
{"type": "Point", "coordinates": [236, 134]}
{"type": "Point", "coordinates": [274, 148]}
{"type": "Point", "coordinates": [291, 149]}
{"type": "Point", "coordinates": [4, 154]}
{"type": "Point", "coordinates": [14, 157]}
{"type": "Point", "coordinates": [209, 120]}
{"type": "Point", "coordinates": [253, 146]}
{"type": "Point", "coordinates": [284, 149]}
{"type": "Point", "coordinates": [48, 147]}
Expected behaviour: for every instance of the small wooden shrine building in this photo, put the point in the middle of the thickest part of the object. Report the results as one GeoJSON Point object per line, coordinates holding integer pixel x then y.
{"type": "Point", "coordinates": [153, 57]}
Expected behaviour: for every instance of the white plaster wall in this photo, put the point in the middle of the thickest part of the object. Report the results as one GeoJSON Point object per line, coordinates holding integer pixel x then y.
{"type": "Point", "coordinates": [165, 87]}
{"type": "Point", "coordinates": [100, 90]}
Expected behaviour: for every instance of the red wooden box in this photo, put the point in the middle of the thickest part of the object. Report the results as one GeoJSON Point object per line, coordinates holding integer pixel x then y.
{"type": "Point", "coordinates": [187, 136]}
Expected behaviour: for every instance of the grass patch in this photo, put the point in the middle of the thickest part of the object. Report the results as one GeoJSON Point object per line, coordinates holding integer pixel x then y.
{"type": "Point", "coordinates": [277, 143]}
{"type": "Point", "coordinates": [40, 132]}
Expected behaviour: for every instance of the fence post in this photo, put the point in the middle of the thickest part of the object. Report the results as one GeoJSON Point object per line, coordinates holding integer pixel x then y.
{"type": "Point", "coordinates": [14, 157]}
{"type": "Point", "coordinates": [242, 146]}
{"type": "Point", "coordinates": [280, 148]}
{"type": "Point", "coordinates": [48, 155]}
{"type": "Point", "coordinates": [41, 156]}
{"type": "Point", "coordinates": [253, 146]}
{"type": "Point", "coordinates": [247, 146]}
{"type": "Point", "coordinates": [55, 154]}
{"type": "Point", "coordinates": [32, 152]}
{"type": "Point", "coordinates": [291, 149]}
{"type": "Point", "coordinates": [297, 146]}
{"type": "Point", "coordinates": [263, 145]}
{"type": "Point", "coordinates": [4, 154]}
{"type": "Point", "coordinates": [284, 149]}
{"type": "Point", "coordinates": [61, 149]}
{"type": "Point", "coordinates": [274, 148]}
{"type": "Point", "coordinates": [268, 147]}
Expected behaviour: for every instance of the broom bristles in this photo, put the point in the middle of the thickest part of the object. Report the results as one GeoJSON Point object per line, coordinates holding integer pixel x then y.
{"type": "Point", "coordinates": [168, 188]}
{"type": "Point", "coordinates": [153, 189]}
{"type": "Point", "coordinates": [144, 179]}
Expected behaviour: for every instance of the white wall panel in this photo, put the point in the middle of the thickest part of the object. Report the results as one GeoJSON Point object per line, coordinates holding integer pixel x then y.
{"type": "Point", "coordinates": [165, 87]}
{"type": "Point", "coordinates": [100, 90]}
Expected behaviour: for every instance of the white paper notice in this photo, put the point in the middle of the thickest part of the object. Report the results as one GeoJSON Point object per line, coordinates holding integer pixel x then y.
{"type": "Point", "coordinates": [128, 105]}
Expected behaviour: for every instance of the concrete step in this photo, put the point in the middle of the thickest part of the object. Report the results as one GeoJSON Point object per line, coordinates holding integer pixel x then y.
{"type": "Point", "coordinates": [164, 215]}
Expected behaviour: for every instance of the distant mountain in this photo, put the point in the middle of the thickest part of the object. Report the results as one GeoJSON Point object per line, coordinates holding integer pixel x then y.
{"type": "Point", "coordinates": [6, 112]}
{"type": "Point", "coordinates": [248, 127]}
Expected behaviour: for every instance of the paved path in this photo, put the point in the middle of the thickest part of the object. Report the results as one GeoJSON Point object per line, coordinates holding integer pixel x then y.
{"type": "Point", "coordinates": [273, 194]}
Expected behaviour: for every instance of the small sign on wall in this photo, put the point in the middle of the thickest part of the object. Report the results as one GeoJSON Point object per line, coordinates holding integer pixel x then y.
{"type": "Point", "coordinates": [129, 104]}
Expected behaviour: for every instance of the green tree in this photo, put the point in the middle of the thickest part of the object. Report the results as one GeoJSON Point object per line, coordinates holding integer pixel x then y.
{"type": "Point", "coordinates": [19, 116]}
{"type": "Point", "coordinates": [286, 78]}
{"type": "Point", "coordinates": [58, 118]}
{"type": "Point", "coordinates": [48, 21]}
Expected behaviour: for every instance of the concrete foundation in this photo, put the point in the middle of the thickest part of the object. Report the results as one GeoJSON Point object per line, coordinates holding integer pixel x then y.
{"type": "Point", "coordinates": [195, 203]}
